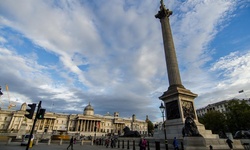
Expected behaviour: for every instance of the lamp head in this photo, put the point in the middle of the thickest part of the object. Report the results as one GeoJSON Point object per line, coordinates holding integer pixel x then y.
{"type": "Point", "coordinates": [162, 108]}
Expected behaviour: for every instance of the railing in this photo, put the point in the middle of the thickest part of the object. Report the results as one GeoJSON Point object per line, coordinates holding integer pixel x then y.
{"type": "Point", "coordinates": [246, 146]}
{"type": "Point", "coordinates": [130, 144]}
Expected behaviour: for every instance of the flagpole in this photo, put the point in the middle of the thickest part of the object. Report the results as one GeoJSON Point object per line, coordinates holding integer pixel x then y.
{"type": "Point", "coordinates": [245, 95]}
{"type": "Point", "coordinates": [52, 104]}
{"type": "Point", "coordinates": [242, 91]}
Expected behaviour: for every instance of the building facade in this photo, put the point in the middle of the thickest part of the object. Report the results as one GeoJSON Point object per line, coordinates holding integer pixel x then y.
{"type": "Point", "coordinates": [219, 106]}
{"type": "Point", "coordinates": [58, 123]}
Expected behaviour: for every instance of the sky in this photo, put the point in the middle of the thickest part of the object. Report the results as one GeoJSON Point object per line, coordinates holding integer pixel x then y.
{"type": "Point", "coordinates": [109, 53]}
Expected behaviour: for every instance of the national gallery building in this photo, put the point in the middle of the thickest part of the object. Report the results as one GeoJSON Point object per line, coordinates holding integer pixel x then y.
{"type": "Point", "coordinates": [14, 121]}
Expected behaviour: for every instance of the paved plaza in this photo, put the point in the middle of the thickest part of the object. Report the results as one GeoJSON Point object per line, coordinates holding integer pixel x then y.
{"type": "Point", "coordinates": [53, 146]}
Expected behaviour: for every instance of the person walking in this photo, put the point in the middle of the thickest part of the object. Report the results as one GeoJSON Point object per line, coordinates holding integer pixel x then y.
{"type": "Point", "coordinates": [175, 144]}
{"type": "Point", "coordinates": [71, 142]}
{"type": "Point", "coordinates": [107, 142]}
{"type": "Point", "coordinates": [229, 143]}
{"type": "Point", "coordinates": [143, 144]}
{"type": "Point", "coordinates": [74, 140]}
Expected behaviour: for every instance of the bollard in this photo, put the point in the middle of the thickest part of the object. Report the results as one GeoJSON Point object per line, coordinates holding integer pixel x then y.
{"type": "Point", "coordinates": [61, 142]}
{"type": "Point", "coordinates": [36, 143]}
{"type": "Point", "coordinates": [9, 140]}
{"type": "Point", "coordinates": [148, 145]}
{"type": "Point", "coordinates": [31, 143]}
{"type": "Point", "coordinates": [128, 144]}
{"type": "Point", "coordinates": [166, 144]}
{"type": "Point", "coordinates": [133, 144]}
{"type": "Point", "coordinates": [118, 143]}
{"type": "Point", "coordinates": [81, 142]}
{"type": "Point", "coordinates": [182, 146]}
{"type": "Point", "coordinates": [246, 146]}
{"type": "Point", "coordinates": [49, 141]}
{"type": "Point", "coordinates": [157, 145]}
{"type": "Point", "coordinates": [122, 144]}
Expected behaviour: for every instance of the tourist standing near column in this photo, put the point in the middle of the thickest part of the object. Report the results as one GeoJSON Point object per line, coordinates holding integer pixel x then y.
{"type": "Point", "coordinates": [175, 144]}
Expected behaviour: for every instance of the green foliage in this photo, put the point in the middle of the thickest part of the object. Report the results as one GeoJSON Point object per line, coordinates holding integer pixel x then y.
{"type": "Point", "coordinates": [214, 120]}
{"type": "Point", "coordinates": [150, 127]}
{"type": "Point", "coordinates": [238, 115]}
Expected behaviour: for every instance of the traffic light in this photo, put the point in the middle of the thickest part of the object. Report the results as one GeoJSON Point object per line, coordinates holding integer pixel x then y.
{"type": "Point", "coordinates": [41, 113]}
{"type": "Point", "coordinates": [30, 111]}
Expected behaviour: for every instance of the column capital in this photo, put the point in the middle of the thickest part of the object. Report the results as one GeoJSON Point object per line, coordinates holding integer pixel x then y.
{"type": "Point", "coordinates": [163, 12]}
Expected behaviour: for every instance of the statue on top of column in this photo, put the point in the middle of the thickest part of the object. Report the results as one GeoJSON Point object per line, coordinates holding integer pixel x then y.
{"type": "Point", "coordinates": [163, 12]}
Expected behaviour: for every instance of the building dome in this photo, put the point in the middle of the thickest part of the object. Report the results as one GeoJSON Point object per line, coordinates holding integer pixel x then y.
{"type": "Point", "coordinates": [88, 110]}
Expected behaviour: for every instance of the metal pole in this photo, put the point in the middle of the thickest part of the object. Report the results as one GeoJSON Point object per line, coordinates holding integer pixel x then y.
{"type": "Point", "coordinates": [31, 132]}
{"type": "Point", "coordinates": [166, 141]}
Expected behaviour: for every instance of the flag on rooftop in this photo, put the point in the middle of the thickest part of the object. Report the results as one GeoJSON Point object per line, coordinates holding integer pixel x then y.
{"type": "Point", "coordinates": [1, 93]}
{"type": "Point", "coordinates": [7, 88]}
{"type": "Point", "coordinates": [241, 91]}
{"type": "Point", "coordinates": [98, 124]}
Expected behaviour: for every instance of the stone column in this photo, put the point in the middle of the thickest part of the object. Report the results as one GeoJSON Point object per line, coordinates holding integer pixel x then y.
{"type": "Point", "coordinates": [84, 125]}
{"type": "Point", "coordinates": [53, 123]}
{"type": "Point", "coordinates": [50, 121]}
{"type": "Point", "coordinates": [20, 123]}
{"type": "Point", "coordinates": [68, 123]}
{"type": "Point", "coordinates": [170, 54]}
{"type": "Point", "coordinates": [176, 98]}
{"type": "Point", "coordinates": [39, 123]}
{"type": "Point", "coordinates": [77, 125]}
{"type": "Point", "coordinates": [11, 122]}
{"type": "Point", "coordinates": [91, 126]}
{"type": "Point", "coordinates": [80, 125]}
{"type": "Point", "coordinates": [87, 126]}
{"type": "Point", "coordinates": [44, 121]}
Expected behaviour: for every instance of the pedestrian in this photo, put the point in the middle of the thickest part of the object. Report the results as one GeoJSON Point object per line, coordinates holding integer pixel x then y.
{"type": "Point", "coordinates": [74, 140]}
{"type": "Point", "coordinates": [71, 143]}
{"type": "Point", "coordinates": [107, 142]}
{"type": "Point", "coordinates": [229, 143]}
{"type": "Point", "coordinates": [112, 142]}
{"type": "Point", "coordinates": [143, 144]}
{"type": "Point", "coordinates": [175, 144]}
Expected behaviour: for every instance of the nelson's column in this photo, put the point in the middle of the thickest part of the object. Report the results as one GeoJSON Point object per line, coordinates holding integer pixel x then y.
{"type": "Point", "coordinates": [179, 101]}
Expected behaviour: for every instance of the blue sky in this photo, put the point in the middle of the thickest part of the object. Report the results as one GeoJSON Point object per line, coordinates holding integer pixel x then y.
{"type": "Point", "coordinates": [110, 53]}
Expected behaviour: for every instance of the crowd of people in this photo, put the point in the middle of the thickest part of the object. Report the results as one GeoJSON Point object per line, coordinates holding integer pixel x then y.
{"type": "Point", "coordinates": [110, 141]}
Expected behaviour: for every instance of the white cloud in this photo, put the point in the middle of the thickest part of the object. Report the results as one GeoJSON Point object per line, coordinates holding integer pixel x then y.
{"type": "Point", "coordinates": [112, 51]}
{"type": "Point", "coordinates": [234, 68]}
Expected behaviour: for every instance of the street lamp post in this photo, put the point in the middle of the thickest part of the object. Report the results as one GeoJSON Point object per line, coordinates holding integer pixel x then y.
{"type": "Point", "coordinates": [162, 108]}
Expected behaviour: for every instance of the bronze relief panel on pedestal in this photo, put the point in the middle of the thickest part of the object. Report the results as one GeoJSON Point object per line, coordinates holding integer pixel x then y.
{"type": "Point", "coordinates": [188, 109]}
{"type": "Point", "coordinates": [172, 110]}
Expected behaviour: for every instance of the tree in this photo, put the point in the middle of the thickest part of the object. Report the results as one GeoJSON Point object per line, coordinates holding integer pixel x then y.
{"type": "Point", "coordinates": [214, 120]}
{"type": "Point", "coordinates": [238, 112]}
{"type": "Point", "coordinates": [150, 127]}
